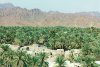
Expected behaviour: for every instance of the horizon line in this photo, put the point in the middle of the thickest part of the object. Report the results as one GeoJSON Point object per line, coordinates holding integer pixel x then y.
{"type": "Point", "coordinates": [49, 10]}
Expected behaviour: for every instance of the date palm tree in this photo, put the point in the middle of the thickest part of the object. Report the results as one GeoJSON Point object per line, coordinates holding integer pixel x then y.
{"type": "Point", "coordinates": [7, 56]}
{"type": "Point", "coordinates": [34, 61]}
{"type": "Point", "coordinates": [60, 61]}
{"type": "Point", "coordinates": [2, 62]}
{"type": "Point", "coordinates": [42, 59]}
{"type": "Point", "coordinates": [21, 59]}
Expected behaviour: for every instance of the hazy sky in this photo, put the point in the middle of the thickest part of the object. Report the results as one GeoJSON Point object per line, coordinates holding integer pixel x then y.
{"type": "Point", "coordinates": [58, 5]}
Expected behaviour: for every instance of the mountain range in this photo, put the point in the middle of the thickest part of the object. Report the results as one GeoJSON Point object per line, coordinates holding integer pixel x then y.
{"type": "Point", "coordinates": [11, 15]}
{"type": "Point", "coordinates": [7, 5]}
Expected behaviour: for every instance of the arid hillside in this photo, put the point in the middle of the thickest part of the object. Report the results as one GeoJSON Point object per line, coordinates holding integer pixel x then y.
{"type": "Point", "coordinates": [11, 15]}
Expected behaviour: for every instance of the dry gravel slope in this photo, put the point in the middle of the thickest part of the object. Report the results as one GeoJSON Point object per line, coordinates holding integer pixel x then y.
{"type": "Point", "coordinates": [16, 16]}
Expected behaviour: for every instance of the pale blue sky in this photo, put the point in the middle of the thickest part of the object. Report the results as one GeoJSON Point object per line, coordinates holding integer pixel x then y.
{"type": "Point", "coordinates": [58, 5]}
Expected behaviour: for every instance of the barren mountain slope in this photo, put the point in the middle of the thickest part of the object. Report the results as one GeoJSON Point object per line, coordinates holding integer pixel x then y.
{"type": "Point", "coordinates": [17, 16]}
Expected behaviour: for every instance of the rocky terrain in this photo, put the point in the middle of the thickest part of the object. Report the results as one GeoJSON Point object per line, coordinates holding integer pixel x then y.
{"type": "Point", "coordinates": [52, 54]}
{"type": "Point", "coordinates": [11, 15]}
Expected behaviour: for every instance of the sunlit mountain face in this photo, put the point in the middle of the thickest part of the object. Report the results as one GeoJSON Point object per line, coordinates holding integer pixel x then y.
{"type": "Point", "coordinates": [17, 16]}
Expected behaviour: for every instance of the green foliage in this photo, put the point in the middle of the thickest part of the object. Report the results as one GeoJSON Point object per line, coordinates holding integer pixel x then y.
{"type": "Point", "coordinates": [87, 39]}
{"type": "Point", "coordinates": [42, 57]}
{"type": "Point", "coordinates": [53, 37]}
{"type": "Point", "coordinates": [60, 61]}
{"type": "Point", "coordinates": [9, 58]}
{"type": "Point", "coordinates": [88, 55]}
{"type": "Point", "coordinates": [5, 47]}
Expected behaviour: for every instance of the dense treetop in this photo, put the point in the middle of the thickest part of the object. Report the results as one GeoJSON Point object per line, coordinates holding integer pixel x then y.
{"type": "Point", "coordinates": [52, 37]}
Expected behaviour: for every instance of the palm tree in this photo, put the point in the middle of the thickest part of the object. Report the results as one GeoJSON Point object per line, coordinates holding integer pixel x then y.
{"type": "Point", "coordinates": [60, 61]}
{"type": "Point", "coordinates": [35, 61]}
{"type": "Point", "coordinates": [5, 47]}
{"type": "Point", "coordinates": [2, 62]}
{"type": "Point", "coordinates": [42, 57]}
{"type": "Point", "coordinates": [21, 59]}
{"type": "Point", "coordinates": [7, 56]}
{"type": "Point", "coordinates": [10, 57]}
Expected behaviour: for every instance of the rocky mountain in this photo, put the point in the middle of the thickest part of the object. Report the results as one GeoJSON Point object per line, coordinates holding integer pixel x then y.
{"type": "Point", "coordinates": [16, 16]}
{"type": "Point", "coordinates": [7, 5]}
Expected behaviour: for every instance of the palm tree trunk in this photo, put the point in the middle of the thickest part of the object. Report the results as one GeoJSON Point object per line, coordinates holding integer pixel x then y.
{"type": "Point", "coordinates": [41, 63]}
